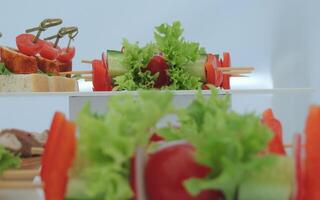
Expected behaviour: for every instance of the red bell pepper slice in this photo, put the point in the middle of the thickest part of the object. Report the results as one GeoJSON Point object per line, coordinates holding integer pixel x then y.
{"type": "Point", "coordinates": [58, 164]}
{"type": "Point", "coordinates": [209, 69]}
{"type": "Point", "coordinates": [226, 63]}
{"type": "Point", "coordinates": [49, 52]}
{"type": "Point", "coordinates": [26, 45]}
{"type": "Point", "coordinates": [52, 143]}
{"type": "Point", "coordinates": [299, 173]}
{"type": "Point", "coordinates": [104, 60]}
{"type": "Point", "coordinates": [100, 77]}
{"type": "Point", "coordinates": [275, 144]}
{"type": "Point", "coordinates": [66, 54]}
{"type": "Point", "coordinates": [312, 162]}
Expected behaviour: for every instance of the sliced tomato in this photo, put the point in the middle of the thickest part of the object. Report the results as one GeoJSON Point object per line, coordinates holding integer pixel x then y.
{"type": "Point", "coordinates": [52, 143]}
{"type": "Point", "coordinates": [275, 144]}
{"type": "Point", "coordinates": [312, 131]}
{"type": "Point", "coordinates": [66, 55]}
{"type": "Point", "coordinates": [26, 45]}
{"type": "Point", "coordinates": [218, 73]}
{"type": "Point", "coordinates": [49, 52]}
{"type": "Point", "coordinates": [158, 64]}
{"type": "Point", "coordinates": [209, 69]}
{"type": "Point", "coordinates": [100, 77]}
{"type": "Point", "coordinates": [226, 63]}
{"type": "Point", "coordinates": [104, 60]}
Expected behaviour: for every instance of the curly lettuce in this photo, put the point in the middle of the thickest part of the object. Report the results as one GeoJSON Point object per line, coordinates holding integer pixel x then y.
{"type": "Point", "coordinates": [108, 142]}
{"type": "Point", "coordinates": [8, 160]}
{"type": "Point", "coordinates": [4, 70]}
{"type": "Point", "coordinates": [226, 141]}
{"type": "Point", "coordinates": [177, 52]}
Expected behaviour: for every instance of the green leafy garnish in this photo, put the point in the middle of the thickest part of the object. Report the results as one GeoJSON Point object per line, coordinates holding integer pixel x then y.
{"type": "Point", "coordinates": [136, 59]}
{"type": "Point", "coordinates": [227, 142]}
{"type": "Point", "coordinates": [7, 160]}
{"type": "Point", "coordinates": [4, 70]}
{"type": "Point", "coordinates": [107, 143]}
{"type": "Point", "coordinates": [177, 52]}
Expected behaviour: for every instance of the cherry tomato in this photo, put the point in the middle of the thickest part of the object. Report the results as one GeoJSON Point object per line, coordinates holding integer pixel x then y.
{"type": "Point", "coordinates": [26, 45]}
{"type": "Point", "coordinates": [158, 64]}
{"type": "Point", "coordinates": [166, 172]}
{"type": "Point", "coordinates": [100, 77]}
{"type": "Point", "coordinates": [49, 52]}
{"type": "Point", "coordinates": [66, 55]}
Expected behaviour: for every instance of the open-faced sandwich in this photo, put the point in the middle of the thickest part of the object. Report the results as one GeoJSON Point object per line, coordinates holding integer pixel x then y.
{"type": "Point", "coordinates": [26, 68]}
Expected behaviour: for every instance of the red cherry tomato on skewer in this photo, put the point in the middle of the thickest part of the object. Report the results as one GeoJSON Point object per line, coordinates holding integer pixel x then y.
{"type": "Point", "coordinates": [49, 52]}
{"type": "Point", "coordinates": [218, 73]}
{"type": "Point", "coordinates": [26, 45]}
{"type": "Point", "coordinates": [209, 69]}
{"type": "Point", "coordinates": [100, 77]}
{"type": "Point", "coordinates": [66, 54]}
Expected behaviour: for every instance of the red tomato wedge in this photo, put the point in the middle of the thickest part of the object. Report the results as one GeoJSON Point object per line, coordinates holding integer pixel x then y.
{"type": "Point", "coordinates": [104, 60]}
{"type": "Point", "coordinates": [157, 64]}
{"type": "Point", "coordinates": [209, 69]}
{"type": "Point", "coordinates": [299, 173]}
{"type": "Point", "coordinates": [218, 73]}
{"type": "Point", "coordinates": [66, 55]}
{"type": "Point", "coordinates": [26, 45]}
{"type": "Point", "coordinates": [49, 52]}
{"type": "Point", "coordinates": [312, 131]}
{"type": "Point", "coordinates": [168, 168]}
{"type": "Point", "coordinates": [52, 143]}
{"type": "Point", "coordinates": [276, 144]}
{"type": "Point", "coordinates": [226, 63]}
{"type": "Point", "coordinates": [100, 77]}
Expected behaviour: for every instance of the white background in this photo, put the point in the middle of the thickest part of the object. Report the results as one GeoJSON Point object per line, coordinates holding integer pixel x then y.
{"type": "Point", "coordinates": [278, 37]}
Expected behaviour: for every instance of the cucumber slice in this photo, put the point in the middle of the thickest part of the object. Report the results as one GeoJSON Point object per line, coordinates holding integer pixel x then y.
{"type": "Point", "coordinates": [197, 68]}
{"type": "Point", "coordinates": [271, 183]}
{"type": "Point", "coordinates": [114, 63]}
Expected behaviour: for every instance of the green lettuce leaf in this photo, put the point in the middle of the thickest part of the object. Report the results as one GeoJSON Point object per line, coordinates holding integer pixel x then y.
{"type": "Point", "coordinates": [136, 59]}
{"type": "Point", "coordinates": [178, 53]}
{"type": "Point", "coordinates": [107, 143]}
{"type": "Point", "coordinates": [8, 160]}
{"type": "Point", "coordinates": [226, 141]}
{"type": "Point", "coordinates": [4, 70]}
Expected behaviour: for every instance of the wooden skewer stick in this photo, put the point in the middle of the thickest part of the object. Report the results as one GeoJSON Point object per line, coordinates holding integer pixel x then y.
{"type": "Point", "coordinates": [19, 185]}
{"type": "Point", "coordinates": [37, 150]}
{"type": "Point", "coordinates": [76, 72]}
{"type": "Point", "coordinates": [87, 78]}
{"type": "Point", "coordinates": [19, 174]}
{"type": "Point", "coordinates": [86, 61]}
{"type": "Point", "coordinates": [236, 73]}
{"type": "Point", "coordinates": [239, 76]}
{"type": "Point", "coordinates": [291, 145]}
{"type": "Point", "coordinates": [236, 68]}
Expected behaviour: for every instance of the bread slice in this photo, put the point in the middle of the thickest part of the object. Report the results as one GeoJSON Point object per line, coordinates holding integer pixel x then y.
{"type": "Point", "coordinates": [63, 84]}
{"type": "Point", "coordinates": [17, 62]}
{"type": "Point", "coordinates": [24, 83]}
